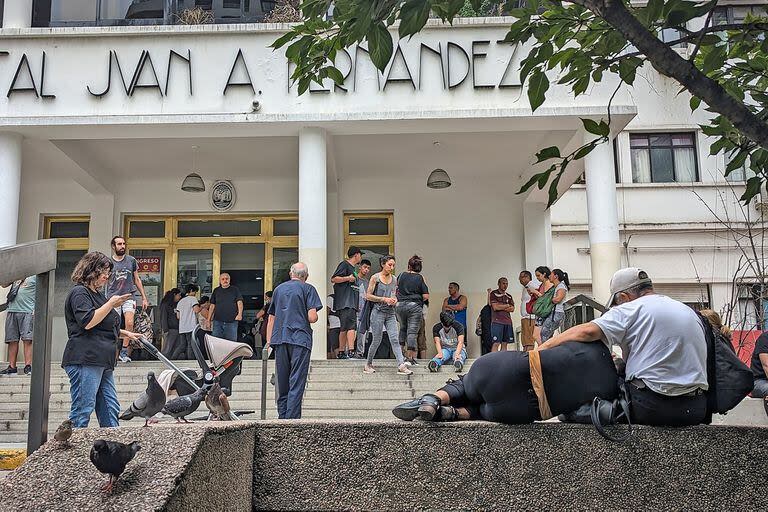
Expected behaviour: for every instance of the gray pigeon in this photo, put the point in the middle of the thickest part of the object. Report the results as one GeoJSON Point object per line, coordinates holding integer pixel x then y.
{"type": "Point", "coordinates": [111, 457]}
{"type": "Point", "coordinates": [184, 405]}
{"type": "Point", "coordinates": [149, 403]}
{"type": "Point", "coordinates": [217, 402]}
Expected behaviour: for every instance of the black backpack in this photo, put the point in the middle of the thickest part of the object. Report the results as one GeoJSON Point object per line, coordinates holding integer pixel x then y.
{"type": "Point", "coordinates": [730, 380]}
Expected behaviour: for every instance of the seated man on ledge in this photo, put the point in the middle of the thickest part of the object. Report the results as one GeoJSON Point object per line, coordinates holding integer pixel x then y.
{"type": "Point", "coordinates": [449, 342]}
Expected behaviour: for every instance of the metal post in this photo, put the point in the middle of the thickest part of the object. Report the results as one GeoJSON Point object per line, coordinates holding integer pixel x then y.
{"type": "Point", "coordinates": [37, 429]}
{"type": "Point", "coordinates": [264, 357]}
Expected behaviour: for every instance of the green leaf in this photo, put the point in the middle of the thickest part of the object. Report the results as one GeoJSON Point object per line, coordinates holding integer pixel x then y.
{"type": "Point", "coordinates": [628, 69]}
{"type": "Point", "coordinates": [584, 151]}
{"type": "Point", "coordinates": [695, 102]}
{"type": "Point", "coordinates": [591, 126]}
{"type": "Point", "coordinates": [537, 89]}
{"type": "Point", "coordinates": [529, 183]}
{"type": "Point", "coordinates": [413, 16]}
{"type": "Point", "coordinates": [380, 45]}
{"type": "Point", "coordinates": [753, 188]}
{"type": "Point", "coordinates": [553, 189]}
{"type": "Point", "coordinates": [547, 153]}
{"type": "Point", "coordinates": [335, 75]}
{"type": "Point", "coordinates": [736, 162]}
{"type": "Point", "coordinates": [652, 11]}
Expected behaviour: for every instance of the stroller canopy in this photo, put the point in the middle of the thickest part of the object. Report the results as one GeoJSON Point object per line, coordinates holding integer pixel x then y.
{"type": "Point", "coordinates": [222, 351]}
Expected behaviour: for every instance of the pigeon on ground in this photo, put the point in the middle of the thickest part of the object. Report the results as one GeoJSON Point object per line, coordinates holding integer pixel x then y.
{"type": "Point", "coordinates": [149, 403]}
{"type": "Point", "coordinates": [111, 457]}
{"type": "Point", "coordinates": [217, 402]}
{"type": "Point", "coordinates": [184, 405]}
{"type": "Point", "coordinates": [63, 432]}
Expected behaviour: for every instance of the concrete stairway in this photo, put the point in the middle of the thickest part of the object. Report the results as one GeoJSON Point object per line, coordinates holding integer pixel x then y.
{"type": "Point", "coordinates": [335, 390]}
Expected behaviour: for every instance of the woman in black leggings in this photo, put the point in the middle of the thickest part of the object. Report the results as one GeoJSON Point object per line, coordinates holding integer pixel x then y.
{"type": "Point", "coordinates": [498, 386]}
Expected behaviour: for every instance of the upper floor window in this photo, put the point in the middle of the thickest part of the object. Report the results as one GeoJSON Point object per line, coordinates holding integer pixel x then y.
{"type": "Point", "coordinates": [733, 14]}
{"type": "Point", "coordinates": [663, 157]}
{"type": "Point", "coordinates": [53, 13]}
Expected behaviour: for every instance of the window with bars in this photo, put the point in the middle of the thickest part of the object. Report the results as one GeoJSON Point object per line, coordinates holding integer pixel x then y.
{"type": "Point", "coordinates": [663, 157]}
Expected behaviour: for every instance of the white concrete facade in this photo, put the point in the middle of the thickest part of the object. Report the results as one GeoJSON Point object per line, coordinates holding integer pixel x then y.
{"type": "Point", "coordinates": [108, 117]}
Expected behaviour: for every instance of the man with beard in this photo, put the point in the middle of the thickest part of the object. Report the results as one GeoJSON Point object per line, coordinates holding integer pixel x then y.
{"type": "Point", "coordinates": [124, 279]}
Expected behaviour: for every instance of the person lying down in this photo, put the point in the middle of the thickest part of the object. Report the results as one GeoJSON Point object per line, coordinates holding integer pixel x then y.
{"type": "Point", "coordinates": [521, 387]}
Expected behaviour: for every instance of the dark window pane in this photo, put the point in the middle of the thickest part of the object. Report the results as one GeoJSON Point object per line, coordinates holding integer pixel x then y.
{"type": "Point", "coordinates": [282, 259]}
{"type": "Point", "coordinates": [147, 229]}
{"type": "Point", "coordinates": [69, 229]}
{"type": "Point", "coordinates": [286, 227]}
{"type": "Point", "coordinates": [203, 228]}
{"type": "Point", "coordinates": [368, 226]}
{"type": "Point", "coordinates": [73, 10]}
{"type": "Point", "coordinates": [662, 167]}
{"type": "Point", "coordinates": [660, 140]}
{"type": "Point", "coordinates": [131, 9]}
{"type": "Point", "coordinates": [373, 253]}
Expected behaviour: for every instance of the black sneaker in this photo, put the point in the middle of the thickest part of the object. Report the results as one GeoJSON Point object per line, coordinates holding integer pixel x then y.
{"type": "Point", "coordinates": [458, 365]}
{"type": "Point", "coordinates": [432, 365]}
{"type": "Point", "coordinates": [341, 355]}
{"type": "Point", "coordinates": [413, 362]}
{"type": "Point", "coordinates": [10, 371]}
{"type": "Point", "coordinates": [28, 369]}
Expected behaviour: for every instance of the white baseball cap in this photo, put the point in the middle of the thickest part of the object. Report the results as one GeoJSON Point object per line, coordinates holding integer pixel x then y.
{"type": "Point", "coordinates": [625, 279]}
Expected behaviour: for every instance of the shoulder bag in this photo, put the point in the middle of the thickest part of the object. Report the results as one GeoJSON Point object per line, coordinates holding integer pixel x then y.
{"type": "Point", "coordinates": [544, 305]}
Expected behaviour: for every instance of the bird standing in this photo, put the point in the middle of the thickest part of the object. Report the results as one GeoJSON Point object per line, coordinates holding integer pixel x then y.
{"type": "Point", "coordinates": [111, 457]}
{"type": "Point", "coordinates": [149, 403]}
{"type": "Point", "coordinates": [63, 432]}
{"type": "Point", "coordinates": [217, 402]}
{"type": "Point", "coordinates": [184, 405]}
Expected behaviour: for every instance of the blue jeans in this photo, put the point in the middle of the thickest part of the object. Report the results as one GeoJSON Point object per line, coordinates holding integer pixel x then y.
{"type": "Point", "coordinates": [92, 387]}
{"type": "Point", "coordinates": [291, 367]}
{"type": "Point", "coordinates": [447, 356]}
{"type": "Point", "coordinates": [226, 330]}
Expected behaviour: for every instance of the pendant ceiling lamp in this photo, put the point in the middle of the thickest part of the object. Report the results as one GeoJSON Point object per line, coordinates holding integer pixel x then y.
{"type": "Point", "coordinates": [193, 182]}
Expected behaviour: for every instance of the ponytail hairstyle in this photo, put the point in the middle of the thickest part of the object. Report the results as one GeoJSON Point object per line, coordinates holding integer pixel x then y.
{"type": "Point", "coordinates": [716, 322]}
{"type": "Point", "coordinates": [414, 263]}
{"type": "Point", "coordinates": [169, 295]}
{"type": "Point", "coordinates": [544, 270]}
{"type": "Point", "coordinates": [562, 277]}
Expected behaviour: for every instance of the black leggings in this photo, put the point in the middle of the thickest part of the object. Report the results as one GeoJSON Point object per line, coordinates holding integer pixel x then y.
{"type": "Point", "coordinates": [498, 385]}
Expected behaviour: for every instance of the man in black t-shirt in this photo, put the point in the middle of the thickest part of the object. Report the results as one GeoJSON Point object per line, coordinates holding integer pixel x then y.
{"type": "Point", "coordinates": [759, 366]}
{"type": "Point", "coordinates": [345, 300]}
{"type": "Point", "coordinates": [226, 309]}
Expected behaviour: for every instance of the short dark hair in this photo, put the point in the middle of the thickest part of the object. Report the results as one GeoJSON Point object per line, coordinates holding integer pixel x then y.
{"type": "Point", "coordinates": [502, 277]}
{"type": "Point", "coordinates": [191, 288]}
{"type": "Point", "coordinates": [114, 238]}
{"type": "Point", "coordinates": [544, 270]}
{"type": "Point", "coordinates": [454, 283]}
{"type": "Point", "coordinates": [353, 250]}
{"type": "Point", "coordinates": [446, 318]}
{"type": "Point", "coordinates": [384, 259]}
{"type": "Point", "coordinates": [366, 262]}
{"type": "Point", "coordinates": [90, 267]}
{"type": "Point", "coordinates": [526, 273]}
{"type": "Point", "coordinates": [204, 299]}
{"type": "Point", "coordinates": [414, 263]}
{"type": "Point", "coordinates": [269, 294]}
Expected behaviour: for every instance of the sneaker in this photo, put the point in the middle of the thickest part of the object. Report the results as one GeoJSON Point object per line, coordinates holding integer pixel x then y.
{"type": "Point", "coordinates": [458, 365]}
{"type": "Point", "coordinates": [341, 355]}
{"type": "Point", "coordinates": [369, 369]}
{"type": "Point", "coordinates": [413, 362]}
{"type": "Point", "coordinates": [432, 366]}
{"type": "Point", "coordinates": [407, 362]}
{"type": "Point", "coordinates": [28, 369]}
{"type": "Point", "coordinates": [351, 354]}
{"type": "Point", "coordinates": [404, 370]}
{"type": "Point", "coordinates": [124, 356]}
{"type": "Point", "coordinates": [10, 371]}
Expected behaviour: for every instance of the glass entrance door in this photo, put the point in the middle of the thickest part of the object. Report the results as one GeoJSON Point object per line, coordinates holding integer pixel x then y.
{"type": "Point", "coordinates": [195, 266]}
{"type": "Point", "coordinates": [245, 265]}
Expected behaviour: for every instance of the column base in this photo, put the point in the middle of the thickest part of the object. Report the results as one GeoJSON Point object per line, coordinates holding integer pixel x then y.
{"type": "Point", "coordinates": [605, 259]}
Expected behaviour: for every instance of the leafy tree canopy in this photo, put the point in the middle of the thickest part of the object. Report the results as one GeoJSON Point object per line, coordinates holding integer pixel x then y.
{"type": "Point", "coordinates": [725, 68]}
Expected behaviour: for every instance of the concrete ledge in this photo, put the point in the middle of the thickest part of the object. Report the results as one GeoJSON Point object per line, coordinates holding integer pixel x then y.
{"type": "Point", "coordinates": [189, 464]}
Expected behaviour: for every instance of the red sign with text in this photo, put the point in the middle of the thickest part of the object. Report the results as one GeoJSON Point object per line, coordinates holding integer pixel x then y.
{"type": "Point", "coordinates": [148, 264]}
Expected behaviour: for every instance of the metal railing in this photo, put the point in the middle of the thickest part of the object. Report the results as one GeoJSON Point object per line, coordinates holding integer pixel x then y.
{"type": "Point", "coordinates": [19, 262]}
{"type": "Point", "coordinates": [580, 310]}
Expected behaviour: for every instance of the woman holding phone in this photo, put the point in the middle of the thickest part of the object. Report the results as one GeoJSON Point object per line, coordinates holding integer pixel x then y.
{"type": "Point", "coordinates": [93, 328]}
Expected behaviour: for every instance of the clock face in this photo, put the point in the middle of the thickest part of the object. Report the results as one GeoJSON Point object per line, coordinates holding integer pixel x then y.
{"type": "Point", "coordinates": [223, 196]}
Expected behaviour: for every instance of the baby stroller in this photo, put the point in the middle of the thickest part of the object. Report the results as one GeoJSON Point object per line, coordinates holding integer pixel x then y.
{"type": "Point", "coordinates": [219, 359]}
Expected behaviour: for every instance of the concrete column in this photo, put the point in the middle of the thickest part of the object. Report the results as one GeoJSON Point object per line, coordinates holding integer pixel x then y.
{"type": "Point", "coordinates": [10, 187]}
{"type": "Point", "coordinates": [603, 218]}
{"type": "Point", "coordinates": [537, 229]}
{"type": "Point", "coordinates": [313, 226]}
{"type": "Point", "coordinates": [101, 226]}
{"type": "Point", "coordinates": [17, 14]}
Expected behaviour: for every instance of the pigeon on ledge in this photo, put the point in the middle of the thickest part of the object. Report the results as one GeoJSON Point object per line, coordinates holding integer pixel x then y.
{"type": "Point", "coordinates": [217, 402]}
{"type": "Point", "coordinates": [111, 457]}
{"type": "Point", "coordinates": [184, 405]}
{"type": "Point", "coordinates": [149, 403]}
{"type": "Point", "coordinates": [63, 432]}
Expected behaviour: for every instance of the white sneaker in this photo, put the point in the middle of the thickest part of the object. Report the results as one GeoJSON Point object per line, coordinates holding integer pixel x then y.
{"type": "Point", "coordinates": [369, 369]}
{"type": "Point", "coordinates": [404, 370]}
{"type": "Point", "coordinates": [124, 357]}
{"type": "Point", "coordinates": [407, 363]}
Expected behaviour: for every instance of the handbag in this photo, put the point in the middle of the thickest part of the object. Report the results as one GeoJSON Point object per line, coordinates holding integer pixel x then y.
{"type": "Point", "coordinates": [611, 412]}
{"type": "Point", "coordinates": [544, 305]}
{"type": "Point", "coordinates": [530, 304]}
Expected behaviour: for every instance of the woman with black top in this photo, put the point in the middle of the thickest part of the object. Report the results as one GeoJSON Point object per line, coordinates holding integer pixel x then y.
{"type": "Point", "coordinates": [93, 327]}
{"type": "Point", "coordinates": [412, 291]}
{"type": "Point", "coordinates": [169, 322]}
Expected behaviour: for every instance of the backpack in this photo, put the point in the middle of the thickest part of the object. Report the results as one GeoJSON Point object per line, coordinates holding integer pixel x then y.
{"type": "Point", "coordinates": [14, 291]}
{"type": "Point", "coordinates": [544, 305]}
{"type": "Point", "coordinates": [730, 380]}
{"type": "Point", "coordinates": [142, 325]}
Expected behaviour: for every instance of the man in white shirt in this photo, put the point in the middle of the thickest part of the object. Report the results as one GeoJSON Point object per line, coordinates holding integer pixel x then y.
{"type": "Point", "coordinates": [527, 320]}
{"type": "Point", "coordinates": [186, 311]}
{"type": "Point", "coordinates": [664, 346]}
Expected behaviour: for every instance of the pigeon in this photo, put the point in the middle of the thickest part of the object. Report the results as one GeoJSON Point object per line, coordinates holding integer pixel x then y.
{"type": "Point", "coordinates": [111, 457]}
{"type": "Point", "coordinates": [184, 405]}
{"type": "Point", "coordinates": [149, 403]}
{"type": "Point", "coordinates": [63, 432]}
{"type": "Point", "coordinates": [217, 402]}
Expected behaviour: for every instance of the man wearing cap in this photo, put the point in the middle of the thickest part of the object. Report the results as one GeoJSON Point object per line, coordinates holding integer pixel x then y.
{"type": "Point", "coordinates": [662, 341]}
